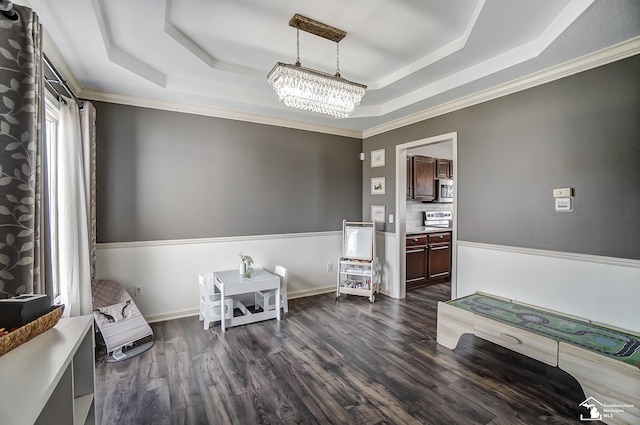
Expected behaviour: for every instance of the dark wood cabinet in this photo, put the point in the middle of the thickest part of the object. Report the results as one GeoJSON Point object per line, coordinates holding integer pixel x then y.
{"type": "Point", "coordinates": [444, 169]}
{"type": "Point", "coordinates": [428, 259]}
{"type": "Point", "coordinates": [423, 172]}
{"type": "Point", "coordinates": [416, 260]}
{"type": "Point", "coordinates": [439, 255]}
{"type": "Point", "coordinates": [409, 177]}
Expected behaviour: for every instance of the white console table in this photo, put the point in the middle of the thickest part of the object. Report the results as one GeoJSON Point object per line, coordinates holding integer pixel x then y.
{"type": "Point", "coordinates": [50, 379]}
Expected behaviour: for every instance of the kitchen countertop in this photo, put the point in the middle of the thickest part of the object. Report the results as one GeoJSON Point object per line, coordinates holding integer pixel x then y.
{"type": "Point", "coordinates": [427, 229]}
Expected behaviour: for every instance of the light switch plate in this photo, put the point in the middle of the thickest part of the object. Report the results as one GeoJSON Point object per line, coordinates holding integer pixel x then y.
{"type": "Point", "coordinates": [390, 218]}
{"type": "Point", "coordinates": [564, 204]}
{"type": "Point", "coordinates": [563, 193]}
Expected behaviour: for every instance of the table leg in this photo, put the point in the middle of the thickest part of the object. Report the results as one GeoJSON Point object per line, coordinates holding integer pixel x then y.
{"type": "Point", "coordinates": [222, 306]}
{"type": "Point", "coordinates": [278, 302]}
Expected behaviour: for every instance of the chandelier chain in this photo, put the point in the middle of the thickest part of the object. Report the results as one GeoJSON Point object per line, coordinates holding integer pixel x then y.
{"type": "Point", "coordinates": [297, 45]}
{"type": "Point", "coordinates": [338, 59]}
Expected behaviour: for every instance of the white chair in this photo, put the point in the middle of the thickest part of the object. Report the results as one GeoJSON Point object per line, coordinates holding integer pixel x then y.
{"type": "Point", "coordinates": [267, 299]}
{"type": "Point", "coordinates": [210, 304]}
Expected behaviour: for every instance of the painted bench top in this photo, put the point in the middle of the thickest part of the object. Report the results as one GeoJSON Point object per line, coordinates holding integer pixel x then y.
{"type": "Point", "coordinates": [615, 344]}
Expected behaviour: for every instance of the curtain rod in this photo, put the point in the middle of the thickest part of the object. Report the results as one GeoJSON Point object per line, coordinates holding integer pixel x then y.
{"type": "Point", "coordinates": [6, 8]}
{"type": "Point", "coordinates": [59, 80]}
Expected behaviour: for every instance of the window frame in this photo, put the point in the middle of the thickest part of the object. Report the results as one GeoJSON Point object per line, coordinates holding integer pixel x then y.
{"type": "Point", "coordinates": [52, 123]}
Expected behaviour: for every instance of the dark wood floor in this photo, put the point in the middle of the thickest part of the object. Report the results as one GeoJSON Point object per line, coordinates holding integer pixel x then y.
{"type": "Point", "coordinates": [328, 362]}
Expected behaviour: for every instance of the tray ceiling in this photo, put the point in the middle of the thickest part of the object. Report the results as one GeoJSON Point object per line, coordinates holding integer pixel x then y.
{"type": "Point", "coordinates": [212, 57]}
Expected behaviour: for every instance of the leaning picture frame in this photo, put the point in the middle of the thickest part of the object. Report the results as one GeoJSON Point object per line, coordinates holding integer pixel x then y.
{"type": "Point", "coordinates": [378, 185]}
{"type": "Point", "coordinates": [378, 213]}
{"type": "Point", "coordinates": [378, 158]}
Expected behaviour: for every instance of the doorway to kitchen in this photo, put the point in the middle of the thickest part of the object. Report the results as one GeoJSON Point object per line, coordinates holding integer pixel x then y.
{"type": "Point", "coordinates": [401, 207]}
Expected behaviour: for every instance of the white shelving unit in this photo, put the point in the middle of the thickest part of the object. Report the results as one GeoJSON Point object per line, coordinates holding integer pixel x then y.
{"type": "Point", "coordinates": [50, 379]}
{"type": "Point", "coordinates": [358, 271]}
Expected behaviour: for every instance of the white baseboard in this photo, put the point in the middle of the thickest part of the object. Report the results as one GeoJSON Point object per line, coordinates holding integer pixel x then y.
{"type": "Point", "coordinates": [194, 311]}
{"type": "Point", "coordinates": [311, 292]}
{"type": "Point", "coordinates": [173, 315]}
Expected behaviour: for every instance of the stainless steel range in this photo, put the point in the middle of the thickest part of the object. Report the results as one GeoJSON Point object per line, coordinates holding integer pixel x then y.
{"type": "Point", "coordinates": [442, 219]}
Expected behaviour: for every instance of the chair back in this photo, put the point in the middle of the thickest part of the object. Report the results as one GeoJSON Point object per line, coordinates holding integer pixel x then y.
{"type": "Point", "coordinates": [282, 273]}
{"type": "Point", "coordinates": [203, 286]}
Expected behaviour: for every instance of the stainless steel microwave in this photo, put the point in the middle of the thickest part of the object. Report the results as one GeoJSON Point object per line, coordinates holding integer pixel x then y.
{"type": "Point", "coordinates": [444, 190]}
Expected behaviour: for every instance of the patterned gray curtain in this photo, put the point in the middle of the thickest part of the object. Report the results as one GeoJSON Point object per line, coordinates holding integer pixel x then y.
{"type": "Point", "coordinates": [88, 128]}
{"type": "Point", "coordinates": [21, 146]}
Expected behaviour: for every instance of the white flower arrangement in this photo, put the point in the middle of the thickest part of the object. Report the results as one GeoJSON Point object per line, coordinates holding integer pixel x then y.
{"type": "Point", "coordinates": [248, 264]}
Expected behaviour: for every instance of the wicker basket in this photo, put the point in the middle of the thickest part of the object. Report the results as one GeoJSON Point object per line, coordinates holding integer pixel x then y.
{"type": "Point", "coordinates": [30, 330]}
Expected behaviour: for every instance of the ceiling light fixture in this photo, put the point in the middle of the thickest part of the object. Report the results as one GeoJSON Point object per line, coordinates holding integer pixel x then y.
{"type": "Point", "coordinates": [311, 90]}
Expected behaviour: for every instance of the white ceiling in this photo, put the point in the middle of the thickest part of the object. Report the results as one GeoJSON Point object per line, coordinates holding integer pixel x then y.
{"type": "Point", "coordinates": [213, 56]}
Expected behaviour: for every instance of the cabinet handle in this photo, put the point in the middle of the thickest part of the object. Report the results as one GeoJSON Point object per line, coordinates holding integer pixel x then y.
{"type": "Point", "coordinates": [414, 250]}
{"type": "Point", "coordinates": [510, 338]}
{"type": "Point", "coordinates": [437, 248]}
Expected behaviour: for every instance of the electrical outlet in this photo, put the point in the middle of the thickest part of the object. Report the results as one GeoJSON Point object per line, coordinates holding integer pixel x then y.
{"type": "Point", "coordinates": [138, 291]}
{"type": "Point", "coordinates": [329, 267]}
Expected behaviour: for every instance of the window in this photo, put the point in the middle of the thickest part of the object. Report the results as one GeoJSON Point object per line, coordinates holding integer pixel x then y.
{"type": "Point", "coordinates": [52, 118]}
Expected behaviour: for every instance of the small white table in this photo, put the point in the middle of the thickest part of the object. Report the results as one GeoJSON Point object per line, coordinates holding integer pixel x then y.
{"type": "Point", "coordinates": [230, 282]}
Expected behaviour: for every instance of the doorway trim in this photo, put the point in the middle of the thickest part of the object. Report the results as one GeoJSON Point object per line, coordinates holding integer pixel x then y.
{"type": "Point", "coordinates": [401, 209]}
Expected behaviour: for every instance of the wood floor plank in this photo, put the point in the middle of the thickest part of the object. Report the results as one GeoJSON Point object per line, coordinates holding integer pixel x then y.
{"type": "Point", "coordinates": [343, 361]}
{"type": "Point", "coordinates": [156, 404]}
{"type": "Point", "coordinates": [352, 387]}
{"type": "Point", "coordinates": [335, 378]}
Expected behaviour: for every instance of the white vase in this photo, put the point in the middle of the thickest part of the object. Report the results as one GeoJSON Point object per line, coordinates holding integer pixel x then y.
{"type": "Point", "coordinates": [243, 267]}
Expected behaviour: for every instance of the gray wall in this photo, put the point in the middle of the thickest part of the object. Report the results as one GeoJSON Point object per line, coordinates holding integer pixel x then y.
{"type": "Point", "coordinates": [167, 175]}
{"type": "Point", "coordinates": [582, 131]}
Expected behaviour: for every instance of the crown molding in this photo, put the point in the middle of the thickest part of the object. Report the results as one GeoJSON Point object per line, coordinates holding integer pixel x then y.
{"type": "Point", "coordinates": [602, 57]}
{"type": "Point", "coordinates": [214, 112]}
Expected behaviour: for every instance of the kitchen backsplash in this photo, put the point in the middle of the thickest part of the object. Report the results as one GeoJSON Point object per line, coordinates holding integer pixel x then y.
{"type": "Point", "coordinates": [415, 209]}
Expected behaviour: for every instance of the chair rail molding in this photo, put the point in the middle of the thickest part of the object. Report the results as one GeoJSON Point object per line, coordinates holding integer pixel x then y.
{"type": "Point", "coordinates": [597, 288]}
{"type": "Point", "coordinates": [168, 269]}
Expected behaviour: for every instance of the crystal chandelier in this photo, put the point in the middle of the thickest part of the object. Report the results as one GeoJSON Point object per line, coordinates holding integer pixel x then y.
{"type": "Point", "coordinates": [311, 90]}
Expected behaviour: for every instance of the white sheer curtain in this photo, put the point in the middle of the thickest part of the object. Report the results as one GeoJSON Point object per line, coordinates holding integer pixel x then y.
{"type": "Point", "coordinates": [72, 178]}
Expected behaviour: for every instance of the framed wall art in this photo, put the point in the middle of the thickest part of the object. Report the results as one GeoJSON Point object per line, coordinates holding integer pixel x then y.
{"type": "Point", "coordinates": [377, 158]}
{"type": "Point", "coordinates": [377, 213]}
{"type": "Point", "coordinates": [378, 185]}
